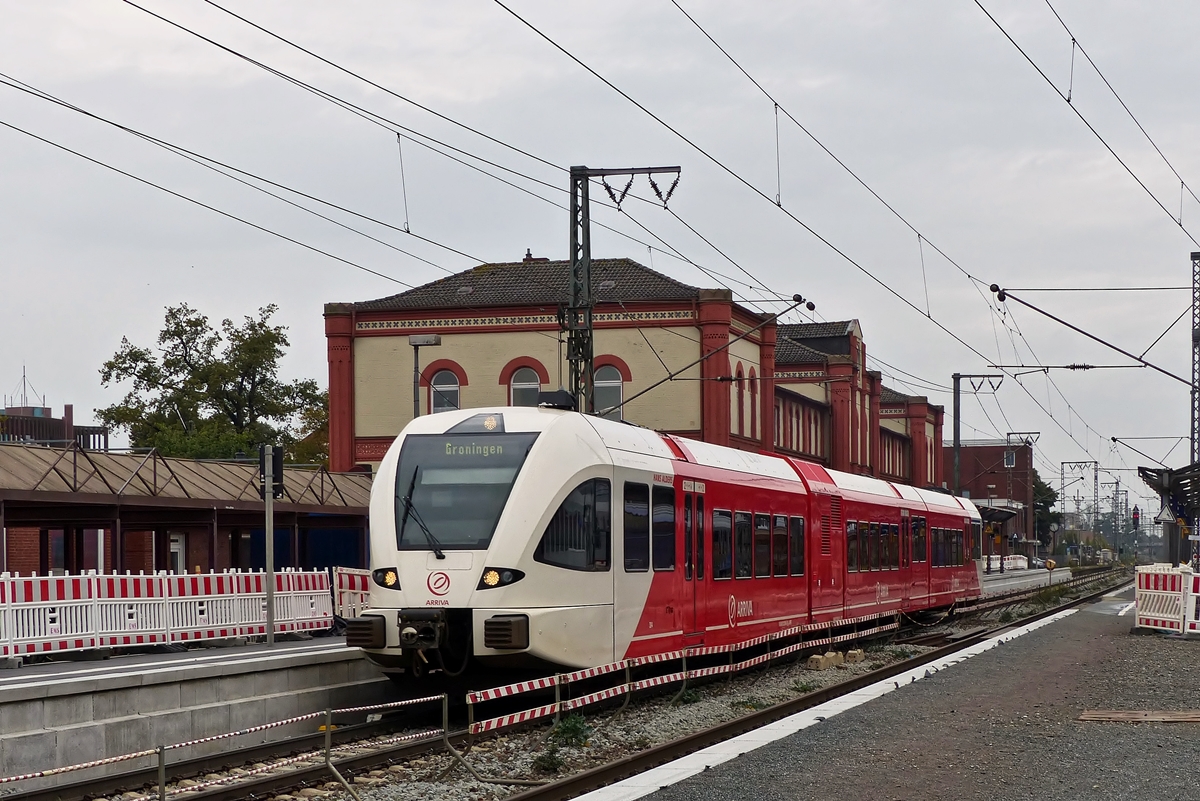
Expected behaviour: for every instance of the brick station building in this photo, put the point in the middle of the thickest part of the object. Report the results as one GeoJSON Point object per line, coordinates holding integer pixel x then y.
{"type": "Point", "coordinates": [801, 389]}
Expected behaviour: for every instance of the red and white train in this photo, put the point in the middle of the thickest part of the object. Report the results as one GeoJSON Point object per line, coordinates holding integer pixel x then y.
{"type": "Point", "coordinates": [533, 536]}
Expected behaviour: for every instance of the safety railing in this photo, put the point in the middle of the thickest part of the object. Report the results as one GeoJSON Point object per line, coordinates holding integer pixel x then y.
{"type": "Point", "coordinates": [352, 591]}
{"type": "Point", "coordinates": [1167, 598]}
{"type": "Point", "coordinates": [42, 614]}
{"type": "Point", "coordinates": [162, 751]}
{"type": "Point", "coordinates": [560, 683]}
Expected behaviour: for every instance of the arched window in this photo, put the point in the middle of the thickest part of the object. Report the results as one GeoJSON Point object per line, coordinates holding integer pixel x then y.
{"type": "Point", "coordinates": [524, 387]}
{"type": "Point", "coordinates": [609, 391]}
{"type": "Point", "coordinates": [443, 391]}
{"type": "Point", "coordinates": [753, 433]}
{"type": "Point", "coordinates": [740, 378]}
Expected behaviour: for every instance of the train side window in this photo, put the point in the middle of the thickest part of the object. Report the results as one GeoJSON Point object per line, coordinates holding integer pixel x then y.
{"type": "Point", "coordinates": [722, 545]}
{"type": "Point", "coordinates": [742, 545]}
{"type": "Point", "coordinates": [905, 544]}
{"type": "Point", "coordinates": [687, 537]}
{"type": "Point", "coordinates": [664, 528]}
{"type": "Point", "coordinates": [852, 547]}
{"type": "Point", "coordinates": [579, 535]}
{"type": "Point", "coordinates": [864, 547]}
{"type": "Point", "coordinates": [762, 546]}
{"type": "Point", "coordinates": [895, 548]}
{"type": "Point", "coordinates": [796, 535]}
{"type": "Point", "coordinates": [920, 547]}
{"type": "Point", "coordinates": [779, 547]}
{"type": "Point", "coordinates": [976, 540]}
{"type": "Point", "coordinates": [874, 545]}
{"type": "Point", "coordinates": [939, 544]}
{"type": "Point", "coordinates": [699, 536]}
{"type": "Point", "coordinates": [959, 540]}
{"type": "Point", "coordinates": [637, 528]}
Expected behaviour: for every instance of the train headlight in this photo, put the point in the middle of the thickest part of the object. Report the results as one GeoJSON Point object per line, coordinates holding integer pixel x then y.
{"type": "Point", "coordinates": [499, 577]}
{"type": "Point", "coordinates": [386, 577]}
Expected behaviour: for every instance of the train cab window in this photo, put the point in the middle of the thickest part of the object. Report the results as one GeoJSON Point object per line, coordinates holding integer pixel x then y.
{"type": "Point", "coordinates": [637, 528]}
{"type": "Point", "coordinates": [687, 537]}
{"type": "Point", "coordinates": [873, 539]}
{"type": "Point", "coordinates": [920, 551]}
{"type": "Point", "coordinates": [722, 545]}
{"type": "Point", "coordinates": [852, 547]}
{"type": "Point", "coordinates": [894, 549]}
{"type": "Point", "coordinates": [699, 536]}
{"type": "Point", "coordinates": [579, 535]}
{"type": "Point", "coordinates": [779, 547]}
{"type": "Point", "coordinates": [796, 536]}
{"type": "Point", "coordinates": [742, 545]}
{"type": "Point", "coordinates": [864, 547]}
{"type": "Point", "coordinates": [762, 546]}
{"type": "Point", "coordinates": [664, 528]}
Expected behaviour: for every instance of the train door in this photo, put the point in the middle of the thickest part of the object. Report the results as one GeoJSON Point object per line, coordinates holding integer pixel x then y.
{"type": "Point", "coordinates": [905, 557]}
{"type": "Point", "coordinates": [692, 534]}
{"type": "Point", "coordinates": [919, 592]}
{"type": "Point", "coordinates": [825, 583]}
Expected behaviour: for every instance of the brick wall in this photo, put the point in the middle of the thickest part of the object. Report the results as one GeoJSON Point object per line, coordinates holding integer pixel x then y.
{"type": "Point", "coordinates": [139, 551]}
{"type": "Point", "coordinates": [23, 550]}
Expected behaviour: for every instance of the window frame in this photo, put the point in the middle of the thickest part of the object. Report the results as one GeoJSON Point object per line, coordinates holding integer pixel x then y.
{"type": "Point", "coordinates": [608, 383]}
{"type": "Point", "coordinates": [539, 552]}
{"type": "Point", "coordinates": [514, 385]}
{"type": "Point", "coordinates": [625, 528]}
{"type": "Point", "coordinates": [743, 545]}
{"type": "Point", "coordinates": [796, 536]}
{"type": "Point", "coordinates": [756, 536]}
{"type": "Point", "coordinates": [662, 531]}
{"type": "Point", "coordinates": [699, 536]}
{"type": "Point", "coordinates": [722, 536]}
{"type": "Point", "coordinates": [851, 546]}
{"type": "Point", "coordinates": [437, 391]}
{"type": "Point", "coordinates": [778, 570]}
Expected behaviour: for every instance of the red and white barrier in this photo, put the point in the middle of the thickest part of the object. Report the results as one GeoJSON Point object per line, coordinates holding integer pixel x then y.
{"type": "Point", "coordinates": [565, 679]}
{"type": "Point", "coordinates": [41, 614]}
{"type": "Point", "coordinates": [352, 590]}
{"type": "Point", "coordinates": [1166, 598]}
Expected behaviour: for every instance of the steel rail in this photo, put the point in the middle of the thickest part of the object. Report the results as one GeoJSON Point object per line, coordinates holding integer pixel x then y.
{"type": "Point", "coordinates": [653, 757]}
{"type": "Point", "coordinates": [273, 784]}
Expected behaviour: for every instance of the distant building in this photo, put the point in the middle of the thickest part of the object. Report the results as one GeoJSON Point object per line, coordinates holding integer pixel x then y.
{"type": "Point", "coordinates": [997, 473]}
{"type": "Point", "coordinates": [37, 425]}
{"type": "Point", "coordinates": [803, 390]}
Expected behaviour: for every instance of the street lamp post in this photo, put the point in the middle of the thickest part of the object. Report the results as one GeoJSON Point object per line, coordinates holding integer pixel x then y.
{"type": "Point", "coordinates": [418, 341]}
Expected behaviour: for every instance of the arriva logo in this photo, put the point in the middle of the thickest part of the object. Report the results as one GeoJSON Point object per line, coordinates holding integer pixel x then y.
{"type": "Point", "coordinates": [739, 609]}
{"type": "Point", "coordinates": [438, 583]}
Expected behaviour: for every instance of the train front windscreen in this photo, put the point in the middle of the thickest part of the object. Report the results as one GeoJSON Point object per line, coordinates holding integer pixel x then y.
{"type": "Point", "coordinates": [451, 488]}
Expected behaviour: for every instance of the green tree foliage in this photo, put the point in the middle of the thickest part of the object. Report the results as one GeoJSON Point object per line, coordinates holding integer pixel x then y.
{"type": "Point", "coordinates": [212, 392]}
{"type": "Point", "coordinates": [1044, 497]}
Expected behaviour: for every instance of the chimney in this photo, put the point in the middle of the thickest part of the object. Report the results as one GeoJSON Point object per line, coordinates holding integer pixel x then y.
{"type": "Point", "coordinates": [69, 423]}
{"type": "Point", "coordinates": [531, 259]}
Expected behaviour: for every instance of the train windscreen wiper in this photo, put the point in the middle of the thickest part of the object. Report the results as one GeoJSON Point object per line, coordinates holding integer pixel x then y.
{"type": "Point", "coordinates": [411, 510]}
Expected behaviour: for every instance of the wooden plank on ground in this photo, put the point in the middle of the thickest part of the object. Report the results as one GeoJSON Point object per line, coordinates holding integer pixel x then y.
{"type": "Point", "coordinates": [1142, 716]}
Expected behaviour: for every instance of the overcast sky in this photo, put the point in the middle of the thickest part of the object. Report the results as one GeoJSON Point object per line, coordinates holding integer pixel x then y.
{"type": "Point", "coordinates": [927, 102]}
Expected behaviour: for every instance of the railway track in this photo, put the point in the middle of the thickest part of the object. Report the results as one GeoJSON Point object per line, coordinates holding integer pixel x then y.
{"type": "Point", "coordinates": [358, 750]}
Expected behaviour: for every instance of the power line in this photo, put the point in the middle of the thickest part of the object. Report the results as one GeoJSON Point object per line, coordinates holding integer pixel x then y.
{"type": "Point", "coordinates": [201, 204]}
{"type": "Point", "coordinates": [1132, 116]}
{"type": "Point", "coordinates": [738, 177]}
{"type": "Point", "coordinates": [1089, 125]}
{"type": "Point", "coordinates": [415, 136]}
{"type": "Point", "coordinates": [1100, 288]}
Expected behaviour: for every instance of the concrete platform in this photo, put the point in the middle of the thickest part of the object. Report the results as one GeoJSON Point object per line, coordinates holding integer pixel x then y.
{"type": "Point", "coordinates": [64, 713]}
{"type": "Point", "coordinates": [996, 583]}
{"type": "Point", "coordinates": [1002, 724]}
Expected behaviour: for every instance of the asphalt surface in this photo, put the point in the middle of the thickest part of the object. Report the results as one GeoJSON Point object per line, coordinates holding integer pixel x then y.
{"type": "Point", "coordinates": [1002, 725]}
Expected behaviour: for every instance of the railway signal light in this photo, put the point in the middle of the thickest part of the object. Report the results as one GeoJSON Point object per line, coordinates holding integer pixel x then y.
{"type": "Point", "coordinates": [276, 474]}
{"type": "Point", "coordinates": [1137, 517]}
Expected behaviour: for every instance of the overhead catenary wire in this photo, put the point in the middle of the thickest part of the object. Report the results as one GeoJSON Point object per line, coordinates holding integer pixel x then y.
{"type": "Point", "coordinates": [1128, 111]}
{"type": "Point", "coordinates": [1075, 108]}
{"type": "Point", "coordinates": [204, 205]}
